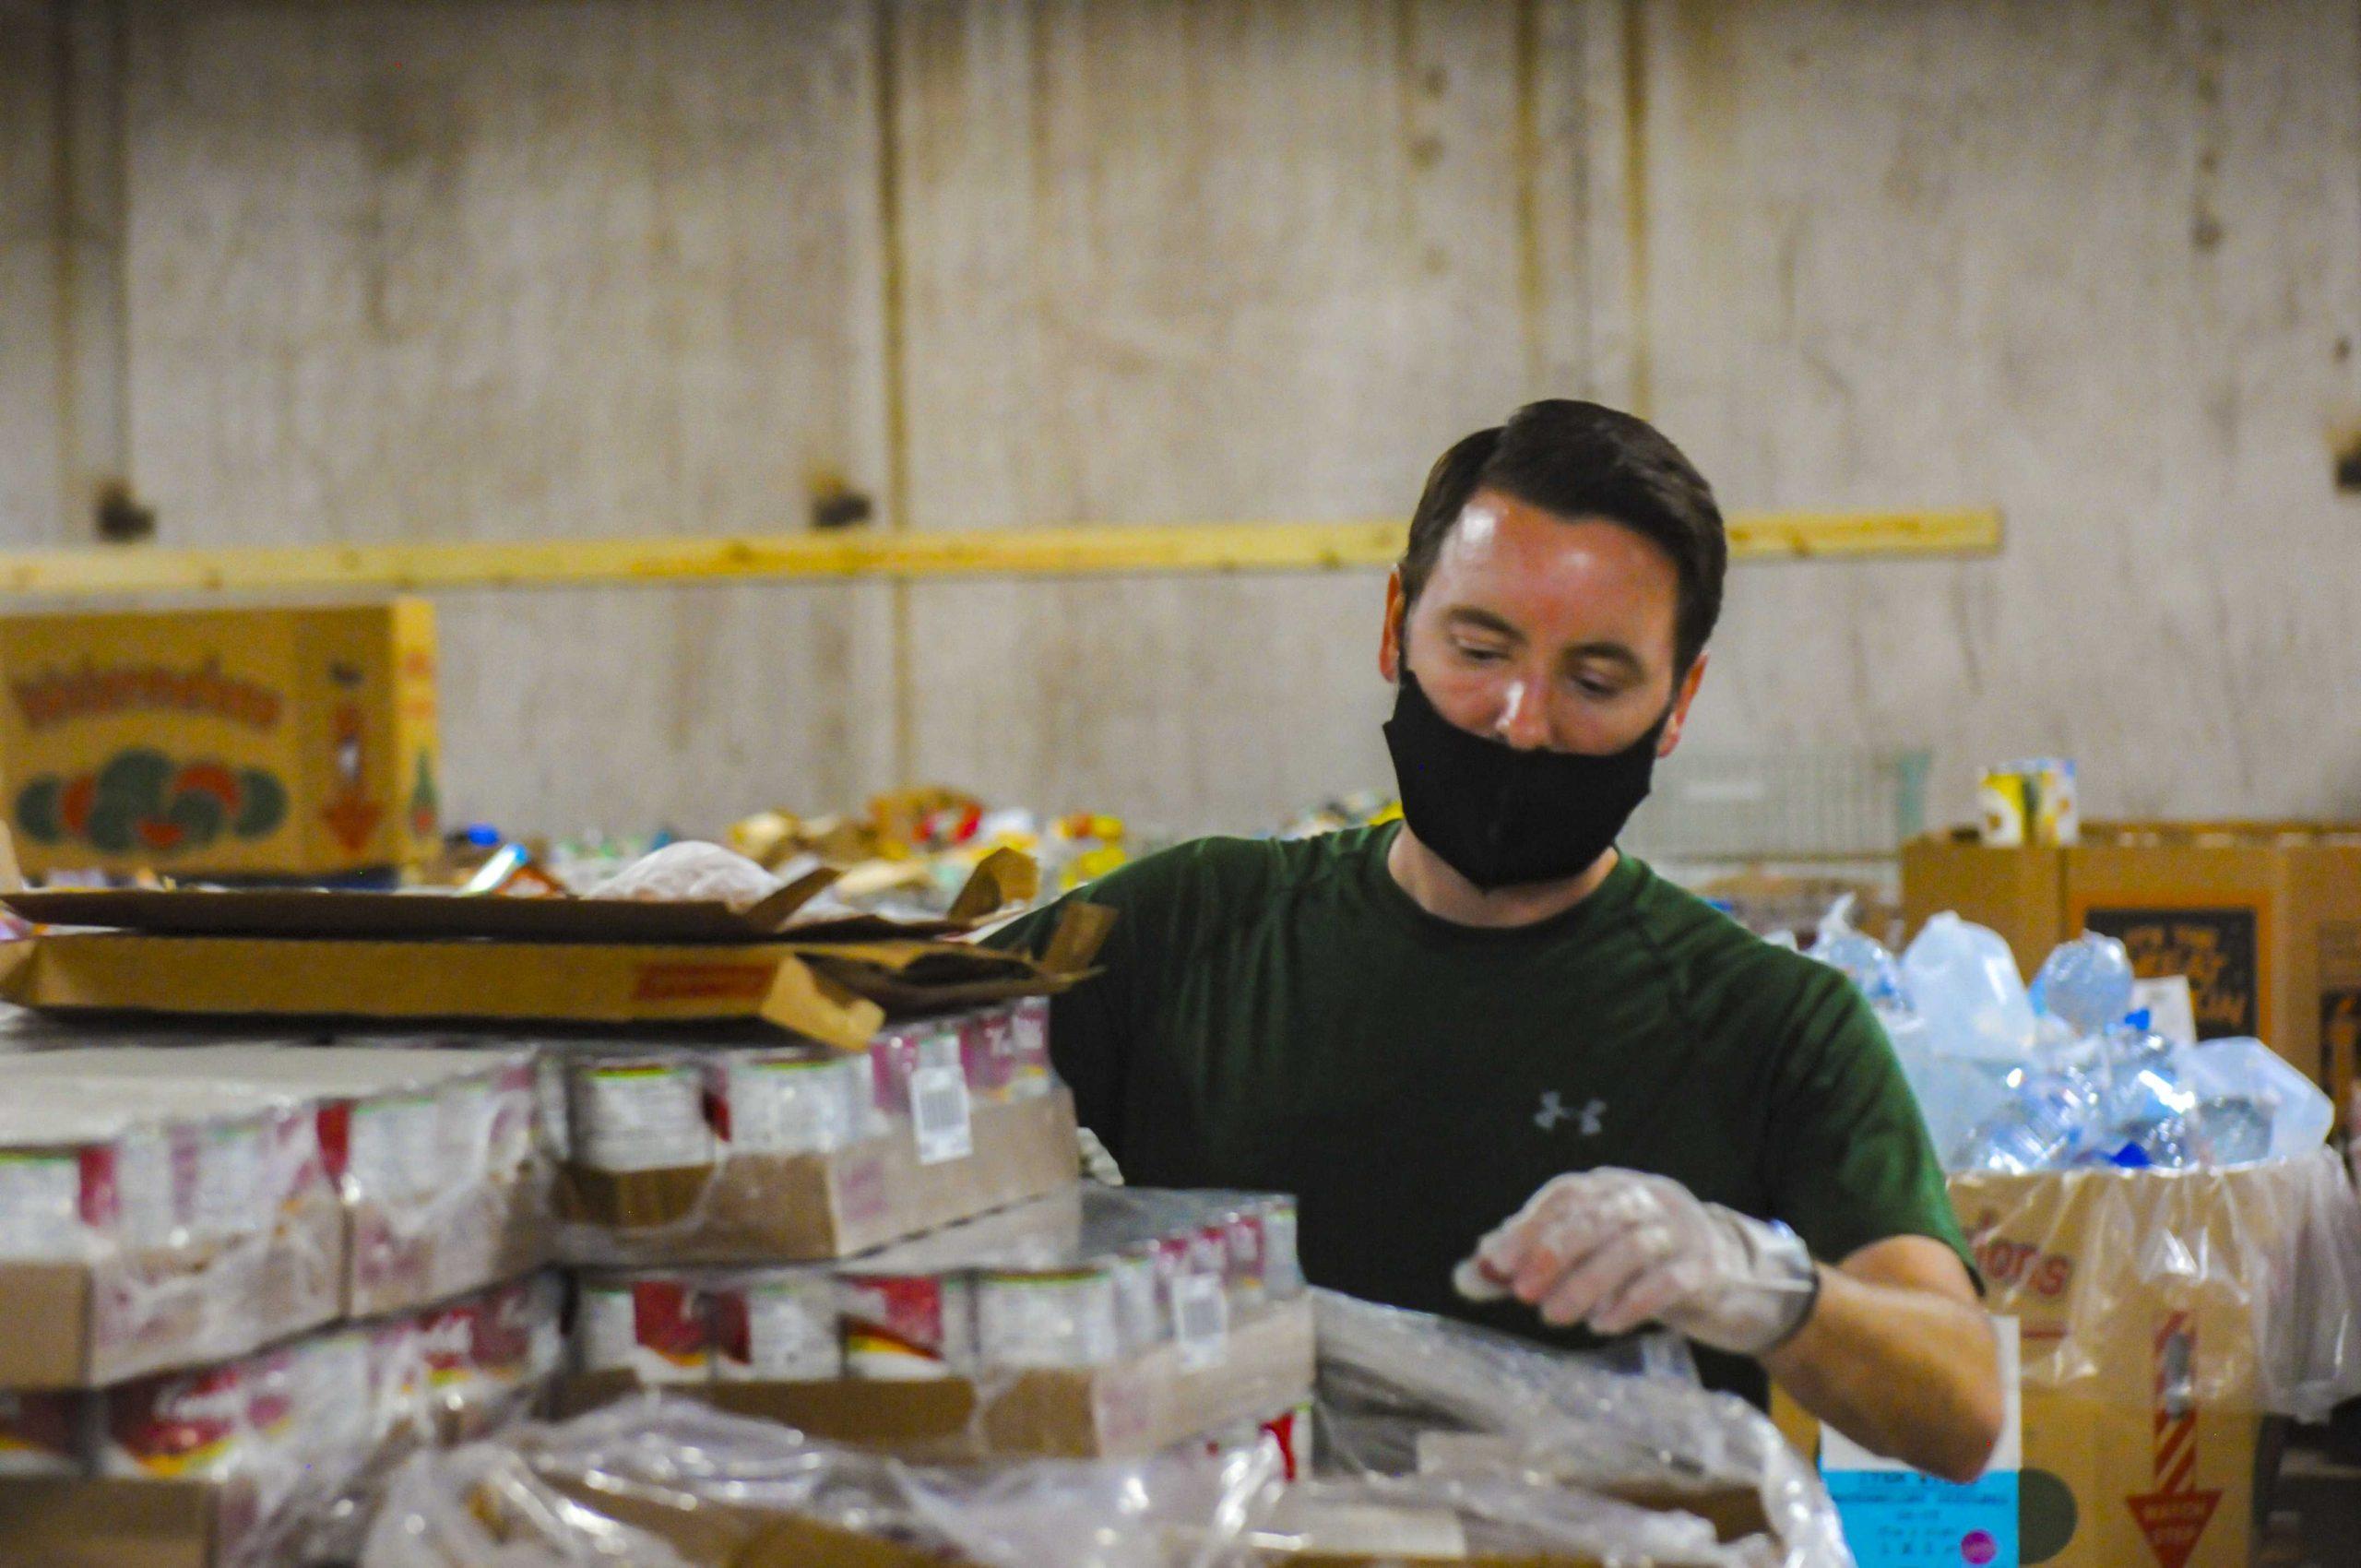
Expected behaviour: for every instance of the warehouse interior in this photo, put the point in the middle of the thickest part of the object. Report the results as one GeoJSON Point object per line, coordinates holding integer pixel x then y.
{"type": "Point", "coordinates": [870, 435]}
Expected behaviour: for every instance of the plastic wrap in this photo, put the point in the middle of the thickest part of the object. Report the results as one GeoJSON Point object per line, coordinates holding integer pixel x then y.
{"type": "Point", "coordinates": [1492, 1447]}
{"type": "Point", "coordinates": [1085, 1277]}
{"type": "Point", "coordinates": [668, 1485]}
{"type": "Point", "coordinates": [201, 1214]}
{"type": "Point", "coordinates": [692, 870]}
{"type": "Point", "coordinates": [2256, 1268]}
{"type": "Point", "coordinates": [432, 1155]}
{"type": "Point", "coordinates": [297, 1436]}
{"type": "Point", "coordinates": [691, 1151]}
{"type": "Point", "coordinates": [1401, 1393]}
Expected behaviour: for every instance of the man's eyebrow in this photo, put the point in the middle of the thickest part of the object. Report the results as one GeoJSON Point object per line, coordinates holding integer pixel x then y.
{"type": "Point", "coordinates": [1602, 652]}
{"type": "Point", "coordinates": [1473, 619]}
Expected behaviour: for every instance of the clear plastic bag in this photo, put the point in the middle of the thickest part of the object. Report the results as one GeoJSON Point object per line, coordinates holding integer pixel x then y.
{"type": "Point", "coordinates": [2258, 1266]}
{"type": "Point", "coordinates": [1436, 1432]}
{"type": "Point", "coordinates": [691, 871]}
{"type": "Point", "coordinates": [1405, 1393]}
{"type": "Point", "coordinates": [657, 1484]}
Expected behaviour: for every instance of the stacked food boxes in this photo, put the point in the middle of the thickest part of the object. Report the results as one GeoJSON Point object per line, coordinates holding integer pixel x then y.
{"type": "Point", "coordinates": [817, 1169]}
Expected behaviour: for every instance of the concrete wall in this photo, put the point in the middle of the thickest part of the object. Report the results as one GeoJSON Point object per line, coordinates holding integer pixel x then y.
{"type": "Point", "coordinates": [524, 269]}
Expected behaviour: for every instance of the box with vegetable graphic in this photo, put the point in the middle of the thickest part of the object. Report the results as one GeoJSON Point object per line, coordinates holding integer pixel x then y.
{"type": "Point", "coordinates": [266, 741]}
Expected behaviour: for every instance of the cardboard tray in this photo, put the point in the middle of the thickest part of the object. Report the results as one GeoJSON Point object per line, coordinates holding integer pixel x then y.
{"type": "Point", "coordinates": [1130, 1410]}
{"type": "Point", "coordinates": [795, 1208]}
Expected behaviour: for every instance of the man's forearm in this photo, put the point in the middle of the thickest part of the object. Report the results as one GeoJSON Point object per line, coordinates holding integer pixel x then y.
{"type": "Point", "coordinates": [1903, 1372]}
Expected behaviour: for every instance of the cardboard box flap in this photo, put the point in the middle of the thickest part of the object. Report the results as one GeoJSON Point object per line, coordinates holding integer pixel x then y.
{"type": "Point", "coordinates": [1000, 879]}
{"type": "Point", "coordinates": [906, 977]}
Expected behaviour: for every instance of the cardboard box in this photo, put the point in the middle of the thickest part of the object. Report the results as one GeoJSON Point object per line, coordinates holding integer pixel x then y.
{"type": "Point", "coordinates": [2264, 918]}
{"type": "Point", "coordinates": [385, 1119]}
{"type": "Point", "coordinates": [270, 742]}
{"type": "Point", "coordinates": [791, 1208]}
{"type": "Point", "coordinates": [2148, 1305]}
{"type": "Point", "coordinates": [1134, 1407]}
{"type": "Point", "coordinates": [113, 1304]}
{"type": "Point", "coordinates": [69, 1523]}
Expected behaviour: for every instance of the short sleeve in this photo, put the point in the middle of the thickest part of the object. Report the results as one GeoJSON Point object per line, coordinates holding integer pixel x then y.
{"type": "Point", "coordinates": [1850, 1161]}
{"type": "Point", "coordinates": [1094, 1027]}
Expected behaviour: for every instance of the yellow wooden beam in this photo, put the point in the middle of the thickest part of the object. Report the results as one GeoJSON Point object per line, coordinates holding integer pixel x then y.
{"type": "Point", "coordinates": [1041, 551]}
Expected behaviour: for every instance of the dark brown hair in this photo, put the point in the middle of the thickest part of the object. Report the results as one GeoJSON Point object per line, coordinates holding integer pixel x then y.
{"type": "Point", "coordinates": [1582, 460]}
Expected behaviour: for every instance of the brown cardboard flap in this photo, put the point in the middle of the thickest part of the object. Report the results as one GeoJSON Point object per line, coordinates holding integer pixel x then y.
{"type": "Point", "coordinates": [1081, 931]}
{"type": "Point", "coordinates": [59, 1523]}
{"type": "Point", "coordinates": [1000, 879]}
{"type": "Point", "coordinates": [907, 977]}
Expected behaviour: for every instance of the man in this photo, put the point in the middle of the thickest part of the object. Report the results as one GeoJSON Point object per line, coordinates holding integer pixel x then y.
{"type": "Point", "coordinates": [1510, 1073]}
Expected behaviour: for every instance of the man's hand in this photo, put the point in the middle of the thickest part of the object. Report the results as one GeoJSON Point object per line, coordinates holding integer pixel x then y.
{"type": "Point", "coordinates": [1614, 1249]}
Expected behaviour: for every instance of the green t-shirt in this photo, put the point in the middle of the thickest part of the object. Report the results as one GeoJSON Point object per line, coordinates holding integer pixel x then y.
{"type": "Point", "coordinates": [1281, 1016]}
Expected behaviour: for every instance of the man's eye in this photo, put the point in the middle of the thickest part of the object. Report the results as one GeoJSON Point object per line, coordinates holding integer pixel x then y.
{"type": "Point", "coordinates": [1597, 688]}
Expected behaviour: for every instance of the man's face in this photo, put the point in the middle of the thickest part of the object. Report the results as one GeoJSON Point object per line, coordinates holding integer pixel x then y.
{"type": "Point", "coordinates": [1545, 632]}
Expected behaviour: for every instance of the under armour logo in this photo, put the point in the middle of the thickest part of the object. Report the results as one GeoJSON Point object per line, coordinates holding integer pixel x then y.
{"type": "Point", "coordinates": [1588, 1121]}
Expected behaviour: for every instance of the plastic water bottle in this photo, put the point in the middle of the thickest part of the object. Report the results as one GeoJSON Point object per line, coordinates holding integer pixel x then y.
{"type": "Point", "coordinates": [2043, 1125]}
{"type": "Point", "coordinates": [1964, 982]}
{"type": "Point", "coordinates": [2236, 1129]}
{"type": "Point", "coordinates": [2143, 1077]}
{"type": "Point", "coordinates": [2239, 1082]}
{"type": "Point", "coordinates": [1860, 956]}
{"type": "Point", "coordinates": [2087, 982]}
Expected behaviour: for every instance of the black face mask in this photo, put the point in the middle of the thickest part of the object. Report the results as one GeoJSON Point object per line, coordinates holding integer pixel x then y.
{"type": "Point", "coordinates": [1500, 816]}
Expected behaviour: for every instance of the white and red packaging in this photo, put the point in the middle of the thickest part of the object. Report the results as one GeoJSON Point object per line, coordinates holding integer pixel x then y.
{"type": "Point", "coordinates": [334, 1395]}
{"type": "Point", "coordinates": [776, 1325]}
{"type": "Point", "coordinates": [519, 1341]}
{"type": "Point", "coordinates": [907, 1327]}
{"type": "Point", "coordinates": [638, 1112]}
{"type": "Point", "coordinates": [905, 1057]}
{"type": "Point", "coordinates": [1282, 1264]}
{"type": "Point", "coordinates": [988, 1053]}
{"type": "Point", "coordinates": [191, 1426]}
{"type": "Point", "coordinates": [1142, 1322]}
{"type": "Point", "coordinates": [788, 1101]}
{"type": "Point", "coordinates": [1029, 1319]}
{"type": "Point", "coordinates": [448, 1335]}
{"type": "Point", "coordinates": [398, 1406]}
{"type": "Point", "coordinates": [653, 1325]}
{"type": "Point", "coordinates": [1030, 1074]}
{"type": "Point", "coordinates": [1242, 1231]}
{"type": "Point", "coordinates": [42, 1432]}
{"type": "Point", "coordinates": [61, 1189]}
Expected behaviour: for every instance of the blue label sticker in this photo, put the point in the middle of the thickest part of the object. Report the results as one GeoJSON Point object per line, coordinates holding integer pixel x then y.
{"type": "Point", "coordinates": [1902, 1519]}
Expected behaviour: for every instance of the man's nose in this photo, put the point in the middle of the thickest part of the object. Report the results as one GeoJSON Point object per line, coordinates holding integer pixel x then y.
{"type": "Point", "coordinates": [1523, 722]}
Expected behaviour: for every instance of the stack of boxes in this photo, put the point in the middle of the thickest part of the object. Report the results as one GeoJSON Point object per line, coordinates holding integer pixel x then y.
{"type": "Point", "coordinates": [260, 1268]}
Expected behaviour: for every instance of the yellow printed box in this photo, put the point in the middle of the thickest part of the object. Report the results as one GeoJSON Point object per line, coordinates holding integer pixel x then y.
{"type": "Point", "coordinates": [266, 741]}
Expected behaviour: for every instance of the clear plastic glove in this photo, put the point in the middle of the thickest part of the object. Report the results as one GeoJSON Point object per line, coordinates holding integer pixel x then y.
{"type": "Point", "coordinates": [1614, 1249]}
